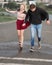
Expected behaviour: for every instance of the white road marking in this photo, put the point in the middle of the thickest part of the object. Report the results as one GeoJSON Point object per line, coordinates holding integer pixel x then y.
{"type": "Point", "coordinates": [13, 64]}
{"type": "Point", "coordinates": [27, 59]}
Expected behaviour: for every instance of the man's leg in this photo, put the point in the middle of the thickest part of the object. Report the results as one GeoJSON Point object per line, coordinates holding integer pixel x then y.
{"type": "Point", "coordinates": [39, 29]}
{"type": "Point", "coordinates": [33, 33]}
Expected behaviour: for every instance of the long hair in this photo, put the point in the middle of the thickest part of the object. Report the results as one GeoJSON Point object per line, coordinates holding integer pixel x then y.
{"type": "Point", "coordinates": [23, 5]}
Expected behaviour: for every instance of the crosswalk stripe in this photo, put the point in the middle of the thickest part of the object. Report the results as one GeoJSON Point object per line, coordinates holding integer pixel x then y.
{"type": "Point", "coordinates": [13, 64]}
{"type": "Point", "coordinates": [27, 59]}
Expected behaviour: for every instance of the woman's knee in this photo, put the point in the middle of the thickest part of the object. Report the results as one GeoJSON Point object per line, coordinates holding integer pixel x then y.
{"type": "Point", "coordinates": [19, 34]}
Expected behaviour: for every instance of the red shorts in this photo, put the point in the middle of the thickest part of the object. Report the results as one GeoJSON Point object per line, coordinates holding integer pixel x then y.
{"type": "Point", "coordinates": [19, 25]}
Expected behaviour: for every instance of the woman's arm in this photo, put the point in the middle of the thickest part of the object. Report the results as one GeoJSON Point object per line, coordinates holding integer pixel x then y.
{"type": "Point", "coordinates": [13, 12]}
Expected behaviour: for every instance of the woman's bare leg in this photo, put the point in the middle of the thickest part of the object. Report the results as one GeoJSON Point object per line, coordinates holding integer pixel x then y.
{"type": "Point", "coordinates": [19, 35]}
{"type": "Point", "coordinates": [22, 37]}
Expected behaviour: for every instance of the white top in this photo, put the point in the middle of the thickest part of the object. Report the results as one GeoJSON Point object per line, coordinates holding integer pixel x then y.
{"type": "Point", "coordinates": [20, 16]}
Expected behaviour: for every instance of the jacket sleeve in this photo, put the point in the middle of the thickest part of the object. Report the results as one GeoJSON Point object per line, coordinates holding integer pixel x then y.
{"type": "Point", "coordinates": [44, 14]}
{"type": "Point", "coordinates": [27, 17]}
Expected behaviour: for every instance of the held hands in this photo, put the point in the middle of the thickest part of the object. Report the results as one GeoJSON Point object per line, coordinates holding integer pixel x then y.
{"type": "Point", "coordinates": [48, 22]}
{"type": "Point", "coordinates": [23, 24]}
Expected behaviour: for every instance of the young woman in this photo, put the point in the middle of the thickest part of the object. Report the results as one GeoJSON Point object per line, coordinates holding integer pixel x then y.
{"type": "Point", "coordinates": [20, 19]}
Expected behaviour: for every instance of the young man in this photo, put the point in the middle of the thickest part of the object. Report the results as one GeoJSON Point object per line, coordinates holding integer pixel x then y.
{"type": "Point", "coordinates": [36, 15]}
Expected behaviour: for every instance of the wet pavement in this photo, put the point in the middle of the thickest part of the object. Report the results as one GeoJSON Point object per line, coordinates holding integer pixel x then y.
{"type": "Point", "coordinates": [10, 55]}
{"type": "Point", "coordinates": [9, 51]}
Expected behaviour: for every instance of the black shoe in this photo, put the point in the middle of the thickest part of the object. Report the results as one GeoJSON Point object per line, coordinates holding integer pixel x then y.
{"type": "Point", "coordinates": [20, 49]}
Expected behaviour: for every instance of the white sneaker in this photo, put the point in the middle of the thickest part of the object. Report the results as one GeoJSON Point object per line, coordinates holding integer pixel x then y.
{"type": "Point", "coordinates": [32, 49]}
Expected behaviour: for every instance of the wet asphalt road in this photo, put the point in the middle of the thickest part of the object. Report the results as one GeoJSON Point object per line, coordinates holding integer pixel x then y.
{"type": "Point", "coordinates": [10, 55]}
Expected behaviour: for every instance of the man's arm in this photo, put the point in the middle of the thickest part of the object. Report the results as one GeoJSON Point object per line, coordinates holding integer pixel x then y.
{"type": "Point", "coordinates": [45, 15]}
{"type": "Point", "coordinates": [26, 18]}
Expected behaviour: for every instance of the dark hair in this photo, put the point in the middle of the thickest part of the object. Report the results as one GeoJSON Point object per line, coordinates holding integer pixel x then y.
{"type": "Point", "coordinates": [32, 6]}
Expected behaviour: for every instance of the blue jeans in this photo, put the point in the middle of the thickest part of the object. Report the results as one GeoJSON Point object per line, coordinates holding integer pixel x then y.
{"type": "Point", "coordinates": [35, 29]}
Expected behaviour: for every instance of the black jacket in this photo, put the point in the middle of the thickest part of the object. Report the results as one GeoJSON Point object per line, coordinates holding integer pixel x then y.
{"type": "Point", "coordinates": [37, 16]}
